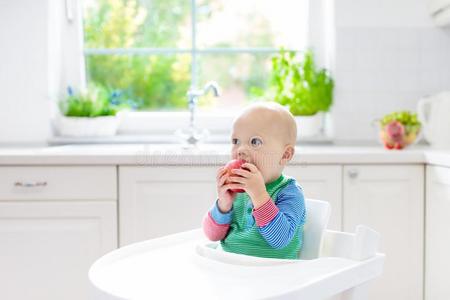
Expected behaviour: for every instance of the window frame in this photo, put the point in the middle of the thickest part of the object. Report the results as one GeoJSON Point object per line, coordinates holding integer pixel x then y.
{"type": "Point", "coordinates": [143, 122]}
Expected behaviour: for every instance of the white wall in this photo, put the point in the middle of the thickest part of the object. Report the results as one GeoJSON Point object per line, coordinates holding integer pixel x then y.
{"type": "Point", "coordinates": [24, 104]}
{"type": "Point", "coordinates": [388, 54]}
{"type": "Point", "coordinates": [41, 54]}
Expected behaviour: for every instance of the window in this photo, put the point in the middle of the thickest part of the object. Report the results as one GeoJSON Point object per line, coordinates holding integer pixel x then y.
{"type": "Point", "coordinates": [154, 50]}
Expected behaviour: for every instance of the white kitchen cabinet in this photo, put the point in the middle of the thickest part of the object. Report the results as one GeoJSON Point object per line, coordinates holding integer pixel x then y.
{"type": "Point", "coordinates": [52, 229]}
{"type": "Point", "coordinates": [57, 183]}
{"type": "Point", "coordinates": [158, 200]}
{"type": "Point", "coordinates": [322, 183]}
{"type": "Point", "coordinates": [155, 201]}
{"type": "Point", "coordinates": [437, 260]}
{"type": "Point", "coordinates": [390, 199]}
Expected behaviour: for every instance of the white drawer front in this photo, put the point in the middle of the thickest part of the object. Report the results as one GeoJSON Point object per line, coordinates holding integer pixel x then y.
{"type": "Point", "coordinates": [56, 183]}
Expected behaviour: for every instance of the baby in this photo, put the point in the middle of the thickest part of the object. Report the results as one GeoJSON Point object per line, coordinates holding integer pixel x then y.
{"type": "Point", "coordinates": [267, 219]}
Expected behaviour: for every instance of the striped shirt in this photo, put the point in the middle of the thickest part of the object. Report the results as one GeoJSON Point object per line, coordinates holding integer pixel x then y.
{"type": "Point", "coordinates": [273, 230]}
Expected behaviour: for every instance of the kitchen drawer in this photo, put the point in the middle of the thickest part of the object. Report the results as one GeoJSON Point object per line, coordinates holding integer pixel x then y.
{"type": "Point", "coordinates": [58, 183]}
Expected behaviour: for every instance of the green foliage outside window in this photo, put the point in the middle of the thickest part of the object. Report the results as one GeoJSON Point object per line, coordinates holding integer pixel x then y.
{"type": "Point", "coordinates": [160, 81]}
{"type": "Point", "coordinates": [155, 82]}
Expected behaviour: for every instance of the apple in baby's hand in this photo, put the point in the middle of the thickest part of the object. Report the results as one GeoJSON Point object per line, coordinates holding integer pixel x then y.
{"type": "Point", "coordinates": [234, 164]}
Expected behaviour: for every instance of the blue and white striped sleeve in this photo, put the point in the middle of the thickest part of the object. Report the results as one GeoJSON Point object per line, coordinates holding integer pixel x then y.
{"type": "Point", "coordinates": [288, 213]}
{"type": "Point", "coordinates": [220, 217]}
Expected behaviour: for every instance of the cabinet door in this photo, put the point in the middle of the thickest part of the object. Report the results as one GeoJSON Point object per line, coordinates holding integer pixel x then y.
{"type": "Point", "coordinates": [321, 183]}
{"type": "Point", "coordinates": [390, 199]}
{"type": "Point", "coordinates": [47, 247]}
{"type": "Point", "coordinates": [437, 260]}
{"type": "Point", "coordinates": [155, 201]}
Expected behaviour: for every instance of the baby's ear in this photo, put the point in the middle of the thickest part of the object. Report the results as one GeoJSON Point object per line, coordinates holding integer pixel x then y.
{"type": "Point", "coordinates": [288, 154]}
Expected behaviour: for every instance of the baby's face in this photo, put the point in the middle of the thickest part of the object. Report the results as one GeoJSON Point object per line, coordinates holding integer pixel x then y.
{"type": "Point", "coordinates": [257, 140]}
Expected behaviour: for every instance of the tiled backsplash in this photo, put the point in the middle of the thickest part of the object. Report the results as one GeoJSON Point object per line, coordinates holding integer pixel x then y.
{"type": "Point", "coordinates": [379, 70]}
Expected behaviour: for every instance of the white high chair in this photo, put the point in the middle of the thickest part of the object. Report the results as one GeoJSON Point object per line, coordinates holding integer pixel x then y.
{"type": "Point", "coordinates": [332, 265]}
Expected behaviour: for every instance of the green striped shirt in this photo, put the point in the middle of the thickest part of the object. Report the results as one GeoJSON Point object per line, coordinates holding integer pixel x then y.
{"type": "Point", "coordinates": [245, 237]}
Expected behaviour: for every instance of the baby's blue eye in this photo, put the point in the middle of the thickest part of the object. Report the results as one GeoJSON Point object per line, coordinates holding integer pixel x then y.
{"type": "Point", "coordinates": [235, 141]}
{"type": "Point", "coordinates": [256, 142]}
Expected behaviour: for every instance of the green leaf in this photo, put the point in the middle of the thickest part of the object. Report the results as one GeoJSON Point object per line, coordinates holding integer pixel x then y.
{"type": "Point", "coordinates": [299, 85]}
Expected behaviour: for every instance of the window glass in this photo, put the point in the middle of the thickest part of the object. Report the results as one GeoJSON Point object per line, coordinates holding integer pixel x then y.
{"type": "Point", "coordinates": [154, 50]}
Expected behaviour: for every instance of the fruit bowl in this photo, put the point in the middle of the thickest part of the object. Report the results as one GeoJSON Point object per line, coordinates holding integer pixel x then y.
{"type": "Point", "coordinates": [399, 130]}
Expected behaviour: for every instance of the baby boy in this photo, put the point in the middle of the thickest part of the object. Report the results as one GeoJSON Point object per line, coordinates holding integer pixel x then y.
{"type": "Point", "coordinates": [267, 219]}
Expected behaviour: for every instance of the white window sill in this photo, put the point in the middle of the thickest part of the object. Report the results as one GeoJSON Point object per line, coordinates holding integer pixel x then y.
{"type": "Point", "coordinates": [161, 139]}
{"type": "Point", "coordinates": [160, 127]}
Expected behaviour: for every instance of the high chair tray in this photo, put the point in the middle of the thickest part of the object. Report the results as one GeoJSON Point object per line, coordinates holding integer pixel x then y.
{"type": "Point", "coordinates": [186, 266]}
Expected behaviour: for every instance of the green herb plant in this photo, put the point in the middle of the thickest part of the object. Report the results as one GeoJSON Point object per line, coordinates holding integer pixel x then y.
{"type": "Point", "coordinates": [96, 101]}
{"type": "Point", "coordinates": [299, 85]}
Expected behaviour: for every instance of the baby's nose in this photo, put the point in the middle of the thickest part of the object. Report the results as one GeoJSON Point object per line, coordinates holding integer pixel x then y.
{"type": "Point", "coordinates": [243, 153]}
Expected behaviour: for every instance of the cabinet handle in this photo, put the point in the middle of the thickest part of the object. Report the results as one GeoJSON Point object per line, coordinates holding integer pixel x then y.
{"type": "Point", "coordinates": [30, 184]}
{"type": "Point", "coordinates": [353, 174]}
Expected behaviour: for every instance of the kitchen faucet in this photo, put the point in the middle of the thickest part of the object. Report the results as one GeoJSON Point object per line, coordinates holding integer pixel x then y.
{"type": "Point", "coordinates": [193, 135]}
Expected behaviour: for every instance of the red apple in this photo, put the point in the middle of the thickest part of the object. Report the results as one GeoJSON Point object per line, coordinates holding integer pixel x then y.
{"type": "Point", "coordinates": [388, 145]}
{"type": "Point", "coordinates": [234, 164]}
{"type": "Point", "coordinates": [396, 131]}
{"type": "Point", "coordinates": [398, 146]}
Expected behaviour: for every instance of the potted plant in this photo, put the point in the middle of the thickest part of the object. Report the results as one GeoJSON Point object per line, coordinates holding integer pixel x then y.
{"type": "Point", "coordinates": [304, 89]}
{"type": "Point", "coordinates": [91, 113]}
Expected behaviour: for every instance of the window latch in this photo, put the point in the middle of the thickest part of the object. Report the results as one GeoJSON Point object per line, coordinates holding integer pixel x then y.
{"type": "Point", "coordinates": [69, 10]}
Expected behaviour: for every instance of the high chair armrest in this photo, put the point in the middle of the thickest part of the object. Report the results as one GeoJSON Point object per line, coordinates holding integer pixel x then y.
{"type": "Point", "coordinates": [361, 245]}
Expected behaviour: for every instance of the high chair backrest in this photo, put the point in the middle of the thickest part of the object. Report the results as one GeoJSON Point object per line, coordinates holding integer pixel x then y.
{"type": "Point", "coordinates": [317, 216]}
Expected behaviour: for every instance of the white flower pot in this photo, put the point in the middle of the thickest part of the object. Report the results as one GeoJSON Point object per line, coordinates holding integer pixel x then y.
{"type": "Point", "coordinates": [310, 126]}
{"type": "Point", "coordinates": [87, 127]}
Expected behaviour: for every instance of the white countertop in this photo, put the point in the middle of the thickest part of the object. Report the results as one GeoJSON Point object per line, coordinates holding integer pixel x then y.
{"type": "Point", "coordinates": [211, 154]}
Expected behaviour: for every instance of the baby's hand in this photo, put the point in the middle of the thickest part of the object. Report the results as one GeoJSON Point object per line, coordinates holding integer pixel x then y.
{"type": "Point", "coordinates": [252, 181]}
{"type": "Point", "coordinates": [226, 197]}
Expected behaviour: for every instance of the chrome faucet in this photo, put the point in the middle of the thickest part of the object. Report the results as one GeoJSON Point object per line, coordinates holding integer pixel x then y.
{"type": "Point", "coordinates": [193, 135]}
{"type": "Point", "coordinates": [193, 96]}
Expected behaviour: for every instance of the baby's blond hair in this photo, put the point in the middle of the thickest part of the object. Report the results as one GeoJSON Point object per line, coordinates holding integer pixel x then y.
{"type": "Point", "coordinates": [280, 115]}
